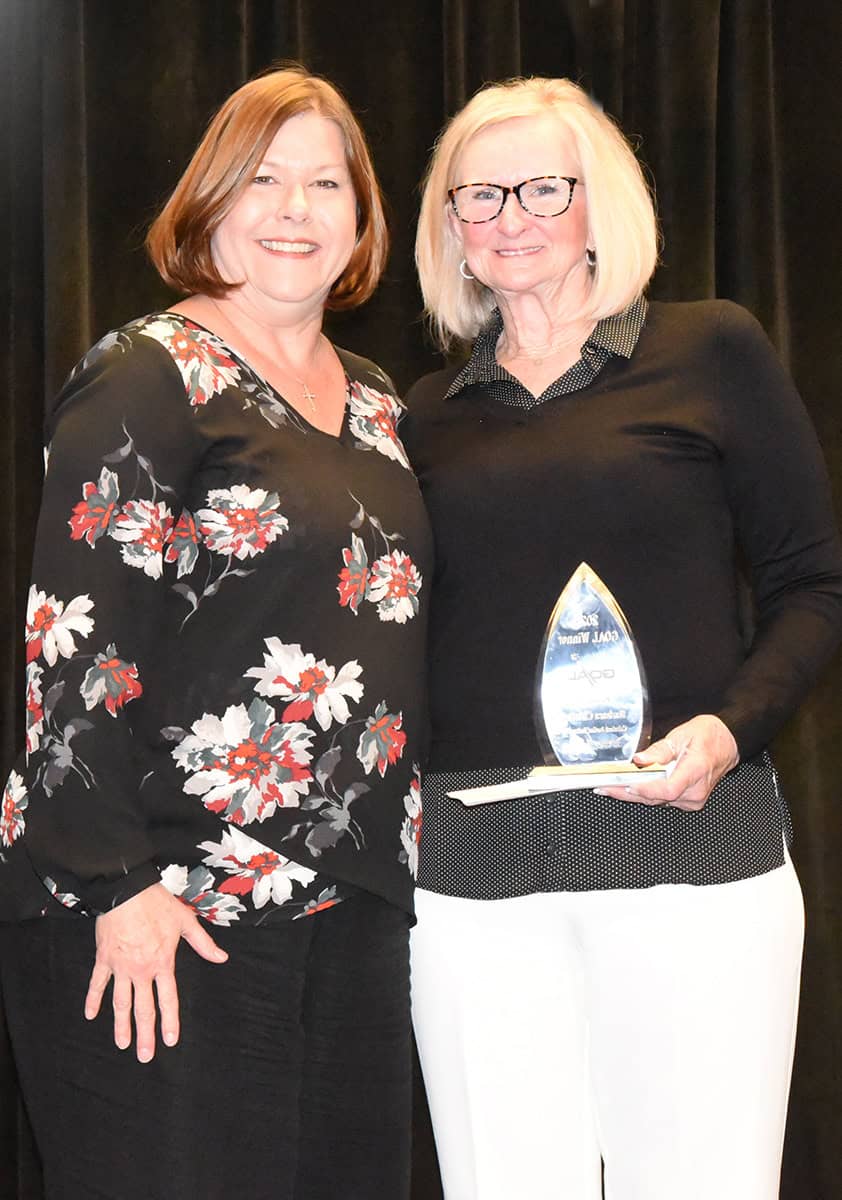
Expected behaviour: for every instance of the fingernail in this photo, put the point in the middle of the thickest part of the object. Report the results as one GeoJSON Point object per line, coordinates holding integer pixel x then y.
{"type": "Point", "coordinates": [169, 1037]}
{"type": "Point", "coordinates": [600, 792]}
{"type": "Point", "coordinates": [220, 955]}
{"type": "Point", "coordinates": [144, 1054]}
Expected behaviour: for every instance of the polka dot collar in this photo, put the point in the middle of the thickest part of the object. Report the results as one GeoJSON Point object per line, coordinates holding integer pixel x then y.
{"type": "Point", "coordinates": [614, 336]}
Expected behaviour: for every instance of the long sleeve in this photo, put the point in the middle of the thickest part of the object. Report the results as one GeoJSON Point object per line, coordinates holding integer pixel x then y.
{"type": "Point", "coordinates": [693, 454]}
{"type": "Point", "coordinates": [779, 493]}
{"type": "Point", "coordinates": [121, 449]}
{"type": "Point", "coordinates": [225, 638]}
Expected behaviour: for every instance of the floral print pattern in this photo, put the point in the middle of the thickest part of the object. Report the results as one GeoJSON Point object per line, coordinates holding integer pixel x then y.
{"type": "Point", "coordinates": [382, 740]}
{"type": "Point", "coordinates": [240, 521]}
{"type": "Point", "coordinates": [95, 512]}
{"type": "Point", "coordinates": [111, 680]}
{"type": "Point", "coordinates": [183, 547]}
{"type": "Point", "coordinates": [313, 688]}
{"type": "Point", "coordinates": [142, 528]}
{"type": "Point", "coordinates": [296, 744]}
{"type": "Point", "coordinates": [354, 576]}
{"type": "Point", "coordinates": [68, 899]}
{"type": "Point", "coordinates": [34, 707]}
{"type": "Point", "coordinates": [205, 367]}
{"type": "Point", "coordinates": [373, 419]}
{"type": "Point", "coordinates": [394, 586]}
{"type": "Point", "coordinates": [196, 889]}
{"type": "Point", "coordinates": [411, 828]}
{"type": "Point", "coordinates": [254, 869]}
{"type": "Point", "coordinates": [15, 801]}
{"type": "Point", "coordinates": [246, 764]}
{"type": "Point", "coordinates": [392, 582]}
{"type": "Point", "coordinates": [326, 898]}
{"type": "Point", "coordinates": [50, 626]}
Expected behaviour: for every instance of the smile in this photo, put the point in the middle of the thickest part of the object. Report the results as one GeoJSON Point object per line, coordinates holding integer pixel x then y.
{"type": "Point", "coordinates": [289, 247]}
{"type": "Point", "coordinates": [519, 252]}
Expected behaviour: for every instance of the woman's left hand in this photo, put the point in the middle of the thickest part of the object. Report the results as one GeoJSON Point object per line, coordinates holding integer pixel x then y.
{"type": "Point", "coordinates": [702, 749]}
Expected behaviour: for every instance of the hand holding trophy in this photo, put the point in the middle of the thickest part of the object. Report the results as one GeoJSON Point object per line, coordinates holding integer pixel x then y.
{"type": "Point", "coordinates": [591, 700]}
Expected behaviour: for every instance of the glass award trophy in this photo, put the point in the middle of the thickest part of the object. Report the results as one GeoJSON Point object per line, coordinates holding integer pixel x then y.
{"type": "Point", "coordinates": [591, 700]}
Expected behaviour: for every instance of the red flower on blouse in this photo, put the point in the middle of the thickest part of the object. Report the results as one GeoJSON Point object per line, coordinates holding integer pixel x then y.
{"type": "Point", "coordinates": [354, 576]}
{"type": "Point", "coordinates": [111, 679]}
{"type": "Point", "coordinates": [183, 544]}
{"type": "Point", "coordinates": [93, 515]}
{"type": "Point", "coordinates": [382, 741]}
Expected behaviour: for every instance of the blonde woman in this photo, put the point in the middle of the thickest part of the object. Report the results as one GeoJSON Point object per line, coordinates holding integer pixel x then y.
{"type": "Point", "coordinates": [605, 979]}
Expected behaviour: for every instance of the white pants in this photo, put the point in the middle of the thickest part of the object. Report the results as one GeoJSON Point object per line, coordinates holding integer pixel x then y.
{"type": "Point", "coordinates": [651, 1029]}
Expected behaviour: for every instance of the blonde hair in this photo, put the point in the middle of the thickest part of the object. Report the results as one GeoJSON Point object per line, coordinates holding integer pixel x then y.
{"type": "Point", "coordinates": [179, 240]}
{"type": "Point", "coordinates": [623, 228]}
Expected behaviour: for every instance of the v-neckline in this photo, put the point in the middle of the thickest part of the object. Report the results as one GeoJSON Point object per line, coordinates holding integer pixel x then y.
{"type": "Point", "coordinates": [265, 383]}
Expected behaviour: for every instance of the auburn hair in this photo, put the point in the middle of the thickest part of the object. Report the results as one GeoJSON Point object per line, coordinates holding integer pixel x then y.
{"type": "Point", "coordinates": [235, 143]}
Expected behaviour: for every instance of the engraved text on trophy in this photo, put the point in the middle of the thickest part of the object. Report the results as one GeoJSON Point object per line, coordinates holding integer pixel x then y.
{"type": "Point", "coordinates": [592, 701]}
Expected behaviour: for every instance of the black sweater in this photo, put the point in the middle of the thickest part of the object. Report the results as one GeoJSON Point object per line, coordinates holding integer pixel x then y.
{"type": "Point", "coordinates": [675, 462]}
{"type": "Point", "coordinates": [669, 469]}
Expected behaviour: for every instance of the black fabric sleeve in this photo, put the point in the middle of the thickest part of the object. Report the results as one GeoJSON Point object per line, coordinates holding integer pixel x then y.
{"type": "Point", "coordinates": [779, 493]}
{"type": "Point", "coordinates": [122, 446]}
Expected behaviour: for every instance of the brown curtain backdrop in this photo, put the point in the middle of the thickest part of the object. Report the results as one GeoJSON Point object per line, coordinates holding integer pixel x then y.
{"type": "Point", "coordinates": [737, 112]}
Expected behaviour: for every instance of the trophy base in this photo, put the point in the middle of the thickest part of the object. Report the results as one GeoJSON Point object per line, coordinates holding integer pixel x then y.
{"type": "Point", "coordinates": [541, 780]}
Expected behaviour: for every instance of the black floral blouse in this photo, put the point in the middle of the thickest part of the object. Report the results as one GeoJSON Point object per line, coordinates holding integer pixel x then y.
{"type": "Point", "coordinates": [225, 641]}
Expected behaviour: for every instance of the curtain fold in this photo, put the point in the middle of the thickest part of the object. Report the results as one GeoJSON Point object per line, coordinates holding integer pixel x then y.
{"type": "Point", "coordinates": [671, 55]}
{"type": "Point", "coordinates": [68, 235]}
{"type": "Point", "coordinates": [731, 104]}
{"type": "Point", "coordinates": [749, 240]}
{"type": "Point", "coordinates": [22, 354]}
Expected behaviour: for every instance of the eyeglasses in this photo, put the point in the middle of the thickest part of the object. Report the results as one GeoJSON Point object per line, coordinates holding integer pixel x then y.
{"type": "Point", "coordinates": [544, 196]}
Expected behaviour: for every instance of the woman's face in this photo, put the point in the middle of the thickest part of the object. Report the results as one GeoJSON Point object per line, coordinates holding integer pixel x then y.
{"type": "Point", "coordinates": [517, 253]}
{"type": "Point", "coordinates": [292, 230]}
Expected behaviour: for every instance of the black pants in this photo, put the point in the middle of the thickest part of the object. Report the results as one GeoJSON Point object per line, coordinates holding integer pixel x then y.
{"type": "Point", "coordinates": [291, 1080]}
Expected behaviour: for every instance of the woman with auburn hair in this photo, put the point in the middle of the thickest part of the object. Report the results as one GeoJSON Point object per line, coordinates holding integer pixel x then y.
{"type": "Point", "coordinates": [224, 706]}
{"type": "Point", "coordinates": [605, 979]}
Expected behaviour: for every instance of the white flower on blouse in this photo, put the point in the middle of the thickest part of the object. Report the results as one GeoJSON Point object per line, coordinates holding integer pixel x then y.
{"type": "Point", "coordinates": [174, 878]}
{"type": "Point", "coordinates": [258, 870]}
{"type": "Point", "coordinates": [393, 585]}
{"type": "Point", "coordinates": [15, 801]}
{"type": "Point", "coordinates": [196, 889]}
{"type": "Point", "coordinates": [50, 626]}
{"type": "Point", "coordinates": [245, 764]}
{"type": "Point", "coordinates": [313, 688]}
{"type": "Point", "coordinates": [204, 363]}
{"type": "Point", "coordinates": [411, 828]}
{"type": "Point", "coordinates": [143, 528]}
{"type": "Point", "coordinates": [241, 521]}
{"type": "Point", "coordinates": [373, 420]}
{"type": "Point", "coordinates": [34, 708]}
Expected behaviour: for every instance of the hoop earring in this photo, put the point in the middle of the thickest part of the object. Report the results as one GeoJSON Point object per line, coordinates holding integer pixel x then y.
{"type": "Point", "coordinates": [590, 257]}
{"type": "Point", "coordinates": [463, 271]}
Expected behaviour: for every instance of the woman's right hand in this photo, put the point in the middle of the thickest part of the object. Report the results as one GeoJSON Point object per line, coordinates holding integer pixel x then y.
{"type": "Point", "coordinates": [135, 946]}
